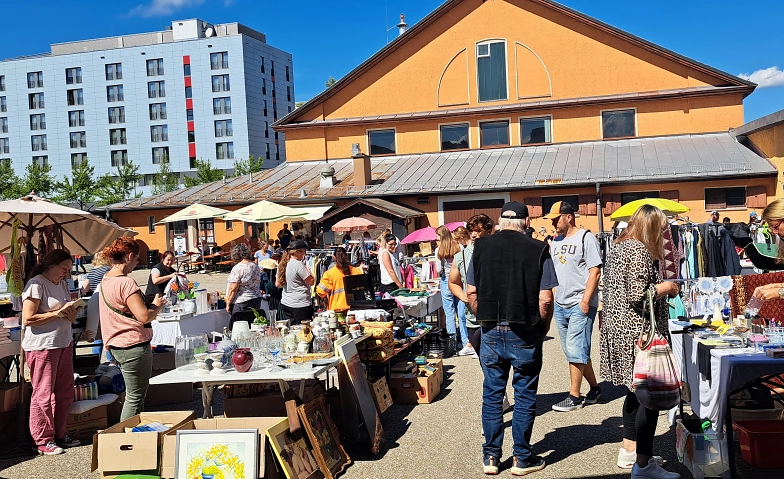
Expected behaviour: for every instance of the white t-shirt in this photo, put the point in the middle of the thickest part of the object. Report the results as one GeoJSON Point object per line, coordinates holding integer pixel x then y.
{"type": "Point", "coordinates": [296, 293]}
{"type": "Point", "coordinates": [385, 277]}
{"type": "Point", "coordinates": [56, 333]}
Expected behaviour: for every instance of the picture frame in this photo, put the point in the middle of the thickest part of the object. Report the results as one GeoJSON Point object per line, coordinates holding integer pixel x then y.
{"type": "Point", "coordinates": [293, 452]}
{"type": "Point", "coordinates": [206, 454]}
{"type": "Point", "coordinates": [324, 437]}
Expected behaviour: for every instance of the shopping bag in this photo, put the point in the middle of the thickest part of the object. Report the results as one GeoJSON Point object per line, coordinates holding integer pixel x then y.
{"type": "Point", "coordinates": [656, 381]}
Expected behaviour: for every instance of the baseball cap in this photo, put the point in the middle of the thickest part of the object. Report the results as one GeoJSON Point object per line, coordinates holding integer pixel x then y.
{"type": "Point", "coordinates": [753, 214]}
{"type": "Point", "coordinates": [714, 212]}
{"type": "Point", "coordinates": [297, 244]}
{"type": "Point", "coordinates": [560, 208]}
{"type": "Point", "coordinates": [514, 210]}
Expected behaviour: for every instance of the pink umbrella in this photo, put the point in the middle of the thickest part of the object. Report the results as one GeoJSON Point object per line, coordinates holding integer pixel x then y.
{"type": "Point", "coordinates": [421, 235]}
{"type": "Point", "coordinates": [455, 225]}
{"type": "Point", "coordinates": [353, 224]}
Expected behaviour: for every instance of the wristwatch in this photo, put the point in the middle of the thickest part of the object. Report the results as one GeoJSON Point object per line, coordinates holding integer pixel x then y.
{"type": "Point", "coordinates": [781, 293]}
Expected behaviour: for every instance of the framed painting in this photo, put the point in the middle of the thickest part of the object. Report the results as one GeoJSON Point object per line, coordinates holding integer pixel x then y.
{"type": "Point", "coordinates": [293, 452]}
{"type": "Point", "coordinates": [323, 435]}
{"type": "Point", "coordinates": [212, 454]}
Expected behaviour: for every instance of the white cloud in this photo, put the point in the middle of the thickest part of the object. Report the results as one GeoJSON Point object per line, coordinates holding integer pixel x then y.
{"type": "Point", "coordinates": [158, 8]}
{"type": "Point", "coordinates": [766, 77]}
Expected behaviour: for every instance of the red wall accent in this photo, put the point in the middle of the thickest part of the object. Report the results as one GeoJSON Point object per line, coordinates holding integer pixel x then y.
{"type": "Point", "coordinates": [190, 126]}
{"type": "Point", "coordinates": [186, 59]}
{"type": "Point", "coordinates": [192, 149]}
{"type": "Point", "coordinates": [188, 81]}
{"type": "Point", "coordinates": [189, 103]}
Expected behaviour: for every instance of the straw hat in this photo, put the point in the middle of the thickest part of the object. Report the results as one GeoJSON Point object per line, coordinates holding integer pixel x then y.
{"type": "Point", "coordinates": [268, 263]}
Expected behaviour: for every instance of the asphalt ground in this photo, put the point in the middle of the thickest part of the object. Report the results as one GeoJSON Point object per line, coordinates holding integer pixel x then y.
{"type": "Point", "coordinates": [444, 439]}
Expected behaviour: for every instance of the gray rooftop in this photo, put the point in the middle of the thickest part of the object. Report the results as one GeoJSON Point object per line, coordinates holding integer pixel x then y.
{"type": "Point", "coordinates": [767, 121]}
{"type": "Point", "coordinates": [638, 160]}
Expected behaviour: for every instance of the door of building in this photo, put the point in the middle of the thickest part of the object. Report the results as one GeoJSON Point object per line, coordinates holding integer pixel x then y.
{"type": "Point", "coordinates": [463, 210]}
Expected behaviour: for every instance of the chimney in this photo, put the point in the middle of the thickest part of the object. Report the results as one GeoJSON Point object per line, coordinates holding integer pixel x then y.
{"type": "Point", "coordinates": [362, 173]}
{"type": "Point", "coordinates": [327, 177]}
{"type": "Point", "coordinates": [402, 26]}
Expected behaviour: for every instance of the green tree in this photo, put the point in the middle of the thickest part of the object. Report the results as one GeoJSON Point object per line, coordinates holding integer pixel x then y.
{"type": "Point", "coordinates": [205, 173]}
{"type": "Point", "coordinates": [114, 188]}
{"type": "Point", "coordinates": [330, 81]}
{"type": "Point", "coordinates": [251, 165]}
{"type": "Point", "coordinates": [299, 104]}
{"type": "Point", "coordinates": [165, 180]}
{"type": "Point", "coordinates": [80, 188]}
{"type": "Point", "coordinates": [10, 185]}
{"type": "Point", "coordinates": [38, 178]}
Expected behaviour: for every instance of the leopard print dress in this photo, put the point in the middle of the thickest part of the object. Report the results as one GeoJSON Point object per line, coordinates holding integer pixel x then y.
{"type": "Point", "coordinates": [628, 275]}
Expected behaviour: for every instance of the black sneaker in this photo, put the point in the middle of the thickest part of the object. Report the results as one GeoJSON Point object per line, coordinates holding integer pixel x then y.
{"type": "Point", "coordinates": [533, 464]}
{"type": "Point", "coordinates": [593, 395]}
{"type": "Point", "coordinates": [569, 404]}
{"type": "Point", "coordinates": [67, 441]}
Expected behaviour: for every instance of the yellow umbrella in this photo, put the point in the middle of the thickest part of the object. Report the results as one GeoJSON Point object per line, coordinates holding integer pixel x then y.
{"type": "Point", "coordinates": [669, 207]}
{"type": "Point", "coordinates": [263, 212]}
{"type": "Point", "coordinates": [195, 211]}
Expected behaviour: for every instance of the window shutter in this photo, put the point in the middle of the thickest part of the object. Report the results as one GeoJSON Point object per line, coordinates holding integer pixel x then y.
{"type": "Point", "coordinates": [611, 203]}
{"type": "Point", "coordinates": [534, 206]}
{"type": "Point", "coordinates": [670, 195]}
{"type": "Point", "coordinates": [715, 198]}
{"type": "Point", "coordinates": [587, 205]}
{"type": "Point", "coordinates": [756, 197]}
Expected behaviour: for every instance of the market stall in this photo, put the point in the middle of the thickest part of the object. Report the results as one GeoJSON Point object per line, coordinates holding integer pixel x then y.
{"type": "Point", "coordinates": [165, 332]}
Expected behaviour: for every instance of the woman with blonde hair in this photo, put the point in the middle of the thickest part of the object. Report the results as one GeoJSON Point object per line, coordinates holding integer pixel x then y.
{"type": "Point", "coordinates": [445, 253]}
{"type": "Point", "coordinates": [95, 275]}
{"type": "Point", "coordinates": [629, 276]}
{"type": "Point", "coordinates": [773, 215]}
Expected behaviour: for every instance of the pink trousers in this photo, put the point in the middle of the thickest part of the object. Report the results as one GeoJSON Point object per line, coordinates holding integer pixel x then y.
{"type": "Point", "coordinates": [51, 374]}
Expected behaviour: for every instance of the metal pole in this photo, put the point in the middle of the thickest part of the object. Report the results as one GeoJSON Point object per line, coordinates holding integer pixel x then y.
{"type": "Point", "coordinates": [599, 213]}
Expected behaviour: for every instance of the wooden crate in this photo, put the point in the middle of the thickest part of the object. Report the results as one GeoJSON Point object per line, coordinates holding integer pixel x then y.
{"type": "Point", "coordinates": [381, 395]}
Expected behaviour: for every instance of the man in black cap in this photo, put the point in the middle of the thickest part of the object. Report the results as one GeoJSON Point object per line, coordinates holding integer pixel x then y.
{"type": "Point", "coordinates": [504, 288]}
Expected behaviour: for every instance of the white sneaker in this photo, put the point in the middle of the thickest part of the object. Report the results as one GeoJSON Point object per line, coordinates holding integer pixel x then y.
{"type": "Point", "coordinates": [626, 460]}
{"type": "Point", "coordinates": [475, 356]}
{"type": "Point", "coordinates": [466, 351]}
{"type": "Point", "coordinates": [653, 471]}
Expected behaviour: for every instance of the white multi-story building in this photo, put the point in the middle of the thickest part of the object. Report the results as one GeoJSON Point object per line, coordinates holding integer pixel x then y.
{"type": "Point", "coordinates": [192, 91]}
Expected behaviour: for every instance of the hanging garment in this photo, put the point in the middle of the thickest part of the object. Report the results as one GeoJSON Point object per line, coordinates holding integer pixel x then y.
{"type": "Point", "coordinates": [15, 275]}
{"type": "Point", "coordinates": [669, 264]}
{"type": "Point", "coordinates": [677, 309]}
{"type": "Point", "coordinates": [729, 254]}
{"type": "Point", "coordinates": [30, 259]}
{"type": "Point", "coordinates": [408, 276]}
{"type": "Point", "coordinates": [41, 246]}
{"type": "Point", "coordinates": [687, 271]}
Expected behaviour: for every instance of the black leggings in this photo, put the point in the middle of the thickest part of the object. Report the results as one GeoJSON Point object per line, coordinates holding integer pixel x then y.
{"type": "Point", "coordinates": [475, 338]}
{"type": "Point", "coordinates": [639, 424]}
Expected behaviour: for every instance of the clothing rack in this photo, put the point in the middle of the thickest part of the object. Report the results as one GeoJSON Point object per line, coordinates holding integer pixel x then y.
{"type": "Point", "coordinates": [321, 250]}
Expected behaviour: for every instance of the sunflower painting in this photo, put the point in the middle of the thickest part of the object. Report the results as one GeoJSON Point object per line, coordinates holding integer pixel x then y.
{"type": "Point", "coordinates": [217, 454]}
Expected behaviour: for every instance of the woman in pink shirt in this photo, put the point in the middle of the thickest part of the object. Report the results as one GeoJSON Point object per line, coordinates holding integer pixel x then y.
{"type": "Point", "coordinates": [126, 323]}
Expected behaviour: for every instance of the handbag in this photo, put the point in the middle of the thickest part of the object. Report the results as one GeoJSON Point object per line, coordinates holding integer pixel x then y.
{"type": "Point", "coordinates": [656, 381]}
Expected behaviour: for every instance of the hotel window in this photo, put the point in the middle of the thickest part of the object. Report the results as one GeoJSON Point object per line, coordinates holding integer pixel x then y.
{"type": "Point", "coordinates": [288, 92]}
{"type": "Point", "coordinates": [267, 150]}
{"type": "Point", "coordinates": [618, 124]}
{"type": "Point", "coordinates": [2, 82]}
{"type": "Point", "coordinates": [188, 92]}
{"type": "Point", "coordinates": [35, 80]}
{"type": "Point", "coordinates": [272, 67]}
{"type": "Point", "coordinates": [35, 100]}
{"type": "Point", "coordinates": [38, 142]}
{"type": "Point", "coordinates": [287, 73]}
{"type": "Point", "coordinates": [535, 130]}
{"type": "Point", "coordinates": [221, 106]}
{"type": "Point", "coordinates": [189, 115]}
{"type": "Point", "coordinates": [3, 104]}
{"type": "Point", "coordinates": [264, 110]}
{"type": "Point", "coordinates": [229, 225]}
{"type": "Point", "coordinates": [157, 111]}
{"type": "Point", "coordinates": [37, 122]}
{"type": "Point", "coordinates": [454, 137]}
{"type": "Point", "coordinates": [186, 69]}
{"type": "Point", "coordinates": [223, 128]}
{"type": "Point", "coordinates": [381, 142]}
{"type": "Point", "coordinates": [494, 133]}
{"type": "Point", "coordinates": [159, 133]}
{"type": "Point", "coordinates": [151, 224]}
{"type": "Point", "coordinates": [119, 158]}
{"type": "Point", "coordinates": [75, 97]}
{"type": "Point", "coordinates": [192, 162]}
{"type": "Point", "coordinates": [78, 139]}
{"type": "Point", "coordinates": [114, 93]}
{"type": "Point", "coordinates": [117, 114]}
{"type": "Point", "coordinates": [263, 86]}
{"type": "Point", "coordinates": [118, 137]}
{"type": "Point", "coordinates": [4, 145]}
{"type": "Point", "coordinates": [220, 83]}
{"type": "Point", "coordinates": [156, 89]}
{"type": "Point", "coordinates": [160, 154]}
{"type": "Point", "coordinates": [77, 159]}
{"type": "Point", "coordinates": [41, 160]}
{"type": "Point", "coordinates": [73, 75]}
{"type": "Point", "coordinates": [4, 124]}
{"type": "Point", "coordinates": [219, 61]}
{"type": "Point", "coordinates": [191, 137]}
{"type": "Point", "coordinates": [723, 198]}
{"type": "Point", "coordinates": [224, 151]}
{"type": "Point", "coordinates": [114, 71]}
{"type": "Point", "coordinates": [262, 64]}
{"type": "Point", "coordinates": [491, 70]}
{"type": "Point", "coordinates": [76, 118]}
{"type": "Point", "coordinates": [155, 67]}
{"type": "Point", "coordinates": [277, 152]}
{"type": "Point", "coordinates": [266, 129]}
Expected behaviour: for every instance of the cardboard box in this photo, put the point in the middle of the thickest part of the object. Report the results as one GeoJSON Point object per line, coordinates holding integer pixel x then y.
{"type": "Point", "coordinates": [439, 365]}
{"type": "Point", "coordinates": [93, 414]}
{"type": "Point", "coordinates": [267, 463]}
{"type": "Point", "coordinates": [269, 404]}
{"type": "Point", "coordinates": [10, 394]}
{"type": "Point", "coordinates": [162, 394]}
{"type": "Point", "coordinates": [414, 390]}
{"type": "Point", "coordinates": [381, 395]}
{"type": "Point", "coordinates": [86, 424]}
{"type": "Point", "coordinates": [115, 451]}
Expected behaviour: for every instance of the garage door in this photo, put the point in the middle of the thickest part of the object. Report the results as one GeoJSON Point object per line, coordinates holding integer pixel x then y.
{"type": "Point", "coordinates": [463, 210]}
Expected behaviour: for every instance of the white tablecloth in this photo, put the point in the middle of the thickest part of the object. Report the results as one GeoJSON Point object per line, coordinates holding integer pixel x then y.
{"type": "Point", "coordinates": [419, 307]}
{"type": "Point", "coordinates": [165, 332]}
{"type": "Point", "coordinates": [10, 349]}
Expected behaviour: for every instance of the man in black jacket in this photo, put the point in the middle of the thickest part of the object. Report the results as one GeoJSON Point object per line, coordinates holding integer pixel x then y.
{"type": "Point", "coordinates": [515, 308]}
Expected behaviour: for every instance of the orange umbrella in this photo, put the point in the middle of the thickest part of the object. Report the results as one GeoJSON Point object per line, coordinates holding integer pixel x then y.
{"type": "Point", "coordinates": [353, 224]}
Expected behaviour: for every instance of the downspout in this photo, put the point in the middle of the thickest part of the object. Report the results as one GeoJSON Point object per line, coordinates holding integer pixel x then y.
{"type": "Point", "coordinates": [599, 213]}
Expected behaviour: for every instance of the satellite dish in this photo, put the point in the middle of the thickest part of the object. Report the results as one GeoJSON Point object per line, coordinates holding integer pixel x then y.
{"type": "Point", "coordinates": [209, 32]}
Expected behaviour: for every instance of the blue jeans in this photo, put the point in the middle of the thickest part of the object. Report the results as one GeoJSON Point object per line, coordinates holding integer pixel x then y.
{"type": "Point", "coordinates": [520, 349]}
{"type": "Point", "coordinates": [461, 322]}
{"type": "Point", "coordinates": [450, 303]}
{"type": "Point", "coordinates": [575, 329]}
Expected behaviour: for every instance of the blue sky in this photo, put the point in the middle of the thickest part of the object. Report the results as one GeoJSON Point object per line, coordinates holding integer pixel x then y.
{"type": "Point", "coordinates": [331, 38]}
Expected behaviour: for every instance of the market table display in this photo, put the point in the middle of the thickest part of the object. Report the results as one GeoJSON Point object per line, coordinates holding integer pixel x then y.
{"type": "Point", "coordinates": [9, 356]}
{"type": "Point", "coordinates": [166, 332]}
{"type": "Point", "coordinates": [421, 306]}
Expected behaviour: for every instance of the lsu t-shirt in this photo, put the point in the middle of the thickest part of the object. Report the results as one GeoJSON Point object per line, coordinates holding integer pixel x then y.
{"type": "Point", "coordinates": [573, 257]}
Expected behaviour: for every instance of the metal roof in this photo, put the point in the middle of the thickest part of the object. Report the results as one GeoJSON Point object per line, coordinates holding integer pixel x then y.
{"type": "Point", "coordinates": [767, 121]}
{"type": "Point", "coordinates": [637, 160]}
{"type": "Point", "coordinates": [387, 206]}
